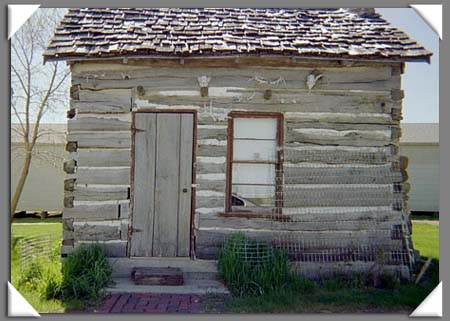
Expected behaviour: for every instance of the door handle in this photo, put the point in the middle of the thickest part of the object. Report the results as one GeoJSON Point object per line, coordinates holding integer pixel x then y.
{"type": "Point", "coordinates": [185, 190]}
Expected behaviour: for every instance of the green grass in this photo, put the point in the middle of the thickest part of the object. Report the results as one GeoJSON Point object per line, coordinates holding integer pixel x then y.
{"type": "Point", "coordinates": [338, 297]}
{"type": "Point", "coordinates": [248, 277]}
{"type": "Point", "coordinates": [343, 300]}
{"type": "Point", "coordinates": [426, 239]}
{"type": "Point", "coordinates": [86, 274]}
{"type": "Point", "coordinates": [20, 230]}
{"type": "Point", "coordinates": [321, 299]}
{"type": "Point", "coordinates": [79, 283]}
{"type": "Point", "coordinates": [54, 229]}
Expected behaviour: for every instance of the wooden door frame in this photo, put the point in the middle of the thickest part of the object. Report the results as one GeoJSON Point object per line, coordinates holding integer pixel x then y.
{"type": "Point", "coordinates": [194, 171]}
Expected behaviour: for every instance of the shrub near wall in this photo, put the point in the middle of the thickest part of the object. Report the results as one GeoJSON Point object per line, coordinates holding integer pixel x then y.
{"type": "Point", "coordinates": [86, 274]}
{"type": "Point", "coordinates": [250, 268]}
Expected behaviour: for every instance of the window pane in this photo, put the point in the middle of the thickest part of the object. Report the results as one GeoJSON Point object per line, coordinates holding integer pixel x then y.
{"type": "Point", "coordinates": [255, 150]}
{"type": "Point", "coordinates": [259, 128]}
{"type": "Point", "coordinates": [253, 174]}
{"type": "Point", "coordinates": [254, 196]}
{"type": "Point", "coordinates": [253, 166]}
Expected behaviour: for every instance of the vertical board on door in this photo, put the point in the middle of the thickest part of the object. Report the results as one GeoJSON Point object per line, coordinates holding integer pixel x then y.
{"type": "Point", "coordinates": [144, 169]}
{"type": "Point", "coordinates": [167, 185]}
{"type": "Point", "coordinates": [184, 201]}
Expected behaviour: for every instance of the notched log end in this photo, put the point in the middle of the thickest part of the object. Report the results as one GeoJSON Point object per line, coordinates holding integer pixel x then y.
{"type": "Point", "coordinates": [69, 166]}
{"type": "Point", "coordinates": [405, 176]}
{"type": "Point", "coordinates": [71, 113]}
{"type": "Point", "coordinates": [403, 162]}
{"type": "Point", "coordinates": [396, 114]}
{"type": "Point", "coordinates": [69, 242]}
{"type": "Point", "coordinates": [67, 224]}
{"type": "Point", "coordinates": [397, 70]}
{"type": "Point", "coordinates": [71, 146]}
{"type": "Point", "coordinates": [75, 92]}
{"type": "Point", "coordinates": [405, 187]}
{"type": "Point", "coordinates": [68, 201]}
{"type": "Point", "coordinates": [396, 133]}
{"type": "Point", "coordinates": [69, 184]}
{"type": "Point", "coordinates": [397, 94]}
{"type": "Point", "coordinates": [394, 149]}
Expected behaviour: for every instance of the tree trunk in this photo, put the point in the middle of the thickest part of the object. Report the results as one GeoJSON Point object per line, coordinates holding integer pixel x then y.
{"type": "Point", "coordinates": [21, 182]}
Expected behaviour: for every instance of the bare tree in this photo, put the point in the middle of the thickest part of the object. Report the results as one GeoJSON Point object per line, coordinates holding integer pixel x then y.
{"type": "Point", "coordinates": [36, 88]}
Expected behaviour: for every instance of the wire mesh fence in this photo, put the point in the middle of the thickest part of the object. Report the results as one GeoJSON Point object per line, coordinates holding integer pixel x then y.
{"type": "Point", "coordinates": [327, 205]}
{"type": "Point", "coordinates": [34, 247]}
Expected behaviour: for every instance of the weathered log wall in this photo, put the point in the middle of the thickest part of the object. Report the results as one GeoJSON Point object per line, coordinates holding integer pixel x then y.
{"type": "Point", "coordinates": [97, 188]}
{"type": "Point", "coordinates": [343, 176]}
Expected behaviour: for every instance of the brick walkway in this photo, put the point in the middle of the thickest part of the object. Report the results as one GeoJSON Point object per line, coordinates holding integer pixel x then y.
{"type": "Point", "coordinates": [152, 303]}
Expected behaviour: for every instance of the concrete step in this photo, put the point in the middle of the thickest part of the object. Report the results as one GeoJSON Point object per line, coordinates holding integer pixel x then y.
{"type": "Point", "coordinates": [190, 286]}
{"type": "Point", "coordinates": [192, 269]}
{"type": "Point", "coordinates": [201, 275]}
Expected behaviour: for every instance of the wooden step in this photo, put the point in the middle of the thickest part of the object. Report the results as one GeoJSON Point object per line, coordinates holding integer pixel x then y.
{"type": "Point", "coordinates": [157, 276]}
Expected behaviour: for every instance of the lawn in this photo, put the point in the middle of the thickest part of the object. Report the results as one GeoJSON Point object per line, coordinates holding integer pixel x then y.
{"type": "Point", "coordinates": [426, 239]}
{"type": "Point", "coordinates": [322, 299]}
{"type": "Point", "coordinates": [343, 298]}
{"type": "Point", "coordinates": [28, 228]}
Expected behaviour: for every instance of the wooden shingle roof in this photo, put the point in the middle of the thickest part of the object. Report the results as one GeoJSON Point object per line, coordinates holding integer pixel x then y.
{"type": "Point", "coordinates": [328, 33]}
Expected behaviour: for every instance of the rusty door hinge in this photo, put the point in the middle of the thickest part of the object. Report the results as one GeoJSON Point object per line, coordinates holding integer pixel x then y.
{"type": "Point", "coordinates": [137, 130]}
{"type": "Point", "coordinates": [131, 230]}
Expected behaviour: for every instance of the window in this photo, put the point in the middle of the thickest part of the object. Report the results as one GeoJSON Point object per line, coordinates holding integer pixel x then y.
{"type": "Point", "coordinates": [254, 165]}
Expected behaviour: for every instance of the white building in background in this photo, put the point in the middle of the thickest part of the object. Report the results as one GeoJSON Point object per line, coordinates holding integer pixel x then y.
{"type": "Point", "coordinates": [44, 187]}
{"type": "Point", "coordinates": [420, 143]}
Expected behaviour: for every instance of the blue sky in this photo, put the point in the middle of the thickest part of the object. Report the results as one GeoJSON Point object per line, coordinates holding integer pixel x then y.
{"type": "Point", "coordinates": [420, 80]}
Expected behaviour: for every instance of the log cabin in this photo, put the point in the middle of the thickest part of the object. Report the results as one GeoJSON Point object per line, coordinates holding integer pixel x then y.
{"type": "Point", "coordinates": [187, 126]}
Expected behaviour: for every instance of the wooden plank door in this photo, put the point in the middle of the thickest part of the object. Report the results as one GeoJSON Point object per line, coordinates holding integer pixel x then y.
{"type": "Point", "coordinates": [162, 182]}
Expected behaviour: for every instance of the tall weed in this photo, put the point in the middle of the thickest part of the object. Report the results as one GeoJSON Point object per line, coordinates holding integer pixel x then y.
{"type": "Point", "coordinates": [43, 276]}
{"type": "Point", "coordinates": [251, 268]}
{"type": "Point", "coordinates": [86, 273]}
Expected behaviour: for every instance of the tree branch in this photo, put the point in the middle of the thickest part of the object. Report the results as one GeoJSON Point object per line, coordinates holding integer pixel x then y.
{"type": "Point", "coordinates": [58, 85]}
{"type": "Point", "coordinates": [20, 120]}
{"type": "Point", "coordinates": [22, 84]}
{"type": "Point", "coordinates": [42, 106]}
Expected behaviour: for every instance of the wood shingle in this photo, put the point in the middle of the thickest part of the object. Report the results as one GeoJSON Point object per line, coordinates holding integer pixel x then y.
{"type": "Point", "coordinates": [328, 33]}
